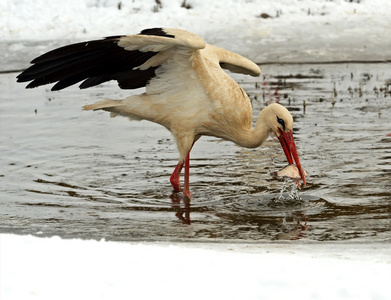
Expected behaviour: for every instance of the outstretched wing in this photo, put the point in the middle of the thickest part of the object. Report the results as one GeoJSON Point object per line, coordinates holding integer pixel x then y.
{"type": "Point", "coordinates": [130, 60]}
{"type": "Point", "coordinates": [236, 63]}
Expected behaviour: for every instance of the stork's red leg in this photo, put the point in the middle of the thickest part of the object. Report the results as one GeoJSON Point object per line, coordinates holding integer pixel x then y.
{"type": "Point", "coordinates": [186, 190]}
{"type": "Point", "coordinates": [174, 179]}
{"type": "Point", "coordinates": [175, 176]}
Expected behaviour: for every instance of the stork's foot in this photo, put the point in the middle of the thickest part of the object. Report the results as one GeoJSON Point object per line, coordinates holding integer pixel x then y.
{"type": "Point", "coordinates": [186, 193]}
{"type": "Point", "coordinates": [174, 179]}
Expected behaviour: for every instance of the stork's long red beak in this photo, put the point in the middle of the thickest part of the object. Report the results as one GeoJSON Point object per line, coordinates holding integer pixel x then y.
{"type": "Point", "coordinates": [288, 145]}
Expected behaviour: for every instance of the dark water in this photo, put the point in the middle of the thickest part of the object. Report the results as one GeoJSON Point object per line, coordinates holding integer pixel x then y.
{"type": "Point", "coordinates": [80, 174]}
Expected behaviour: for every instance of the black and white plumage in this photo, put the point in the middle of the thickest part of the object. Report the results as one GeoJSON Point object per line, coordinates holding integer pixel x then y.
{"type": "Point", "coordinates": [186, 89]}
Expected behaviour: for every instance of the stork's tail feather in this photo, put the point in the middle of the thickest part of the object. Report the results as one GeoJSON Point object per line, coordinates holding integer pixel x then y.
{"type": "Point", "coordinates": [115, 107]}
{"type": "Point", "coordinates": [105, 104]}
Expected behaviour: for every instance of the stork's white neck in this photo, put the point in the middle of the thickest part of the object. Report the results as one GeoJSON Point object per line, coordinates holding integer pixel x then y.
{"type": "Point", "coordinates": [255, 136]}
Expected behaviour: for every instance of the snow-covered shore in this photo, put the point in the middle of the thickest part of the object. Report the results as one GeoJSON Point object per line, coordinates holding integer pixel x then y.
{"type": "Point", "coordinates": [52, 268]}
{"type": "Point", "coordinates": [264, 31]}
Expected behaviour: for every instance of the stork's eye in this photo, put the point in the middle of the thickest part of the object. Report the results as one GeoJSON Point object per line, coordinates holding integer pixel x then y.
{"type": "Point", "coordinates": [281, 121]}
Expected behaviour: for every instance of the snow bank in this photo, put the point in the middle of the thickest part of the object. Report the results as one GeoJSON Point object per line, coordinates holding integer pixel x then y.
{"type": "Point", "coordinates": [52, 268]}
{"type": "Point", "coordinates": [267, 30]}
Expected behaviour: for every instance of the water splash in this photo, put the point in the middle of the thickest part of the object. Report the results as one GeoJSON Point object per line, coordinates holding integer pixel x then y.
{"type": "Point", "coordinates": [289, 191]}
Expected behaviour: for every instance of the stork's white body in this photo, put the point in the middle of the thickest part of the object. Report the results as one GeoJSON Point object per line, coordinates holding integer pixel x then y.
{"type": "Point", "coordinates": [191, 94]}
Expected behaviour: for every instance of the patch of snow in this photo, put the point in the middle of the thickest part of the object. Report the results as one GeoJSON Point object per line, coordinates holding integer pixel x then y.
{"type": "Point", "coordinates": [53, 268]}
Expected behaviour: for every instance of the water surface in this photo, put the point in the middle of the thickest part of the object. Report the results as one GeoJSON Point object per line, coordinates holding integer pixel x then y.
{"type": "Point", "coordinates": [77, 174]}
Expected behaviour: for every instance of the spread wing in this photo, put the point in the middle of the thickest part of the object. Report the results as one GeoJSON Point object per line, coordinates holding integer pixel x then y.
{"type": "Point", "coordinates": [130, 60]}
{"type": "Point", "coordinates": [236, 63]}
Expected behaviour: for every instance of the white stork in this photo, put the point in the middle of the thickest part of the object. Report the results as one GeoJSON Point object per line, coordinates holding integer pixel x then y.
{"type": "Point", "coordinates": [187, 90]}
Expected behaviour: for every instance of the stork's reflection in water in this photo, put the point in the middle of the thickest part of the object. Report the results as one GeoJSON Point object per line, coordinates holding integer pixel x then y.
{"type": "Point", "coordinates": [182, 211]}
{"type": "Point", "coordinates": [297, 229]}
{"type": "Point", "coordinates": [295, 223]}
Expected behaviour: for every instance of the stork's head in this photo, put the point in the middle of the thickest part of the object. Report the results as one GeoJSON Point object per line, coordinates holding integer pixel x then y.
{"type": "Point", "coordinates": [280, 121]}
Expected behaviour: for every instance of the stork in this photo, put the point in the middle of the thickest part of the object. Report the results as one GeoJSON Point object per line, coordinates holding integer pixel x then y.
{"type": "Point", "coordinates": [186, 89]}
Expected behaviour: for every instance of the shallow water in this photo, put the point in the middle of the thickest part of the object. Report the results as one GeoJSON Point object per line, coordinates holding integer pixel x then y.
{"type": "Point", "coordinates": [80, 174]}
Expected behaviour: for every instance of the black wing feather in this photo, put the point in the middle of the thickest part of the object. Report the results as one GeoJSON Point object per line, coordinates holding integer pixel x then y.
{"type": "Point", "coordinates": [92, 62]}
{"type": "Point", "coordinates": [156, 32]}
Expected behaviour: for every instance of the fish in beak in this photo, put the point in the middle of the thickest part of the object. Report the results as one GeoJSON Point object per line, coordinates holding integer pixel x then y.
{"type": "Point", "coordinates": [288, 145]}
